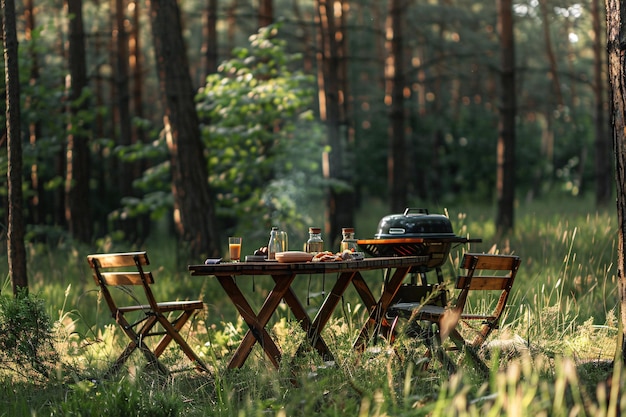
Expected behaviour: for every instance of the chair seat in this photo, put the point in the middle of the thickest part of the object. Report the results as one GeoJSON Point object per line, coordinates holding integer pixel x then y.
{"type": "Point", "coordinates": [407, 309]}
{"type": "Point", "coordinates": [478, 317]}
{"type": "Point", "coordinates": [166, 306]}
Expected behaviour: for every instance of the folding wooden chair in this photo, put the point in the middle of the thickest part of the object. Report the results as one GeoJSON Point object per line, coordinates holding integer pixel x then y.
{"type": "Point", "coordinates": [154, 321]}
{"type": "Point", "coordinates": [483, 273]}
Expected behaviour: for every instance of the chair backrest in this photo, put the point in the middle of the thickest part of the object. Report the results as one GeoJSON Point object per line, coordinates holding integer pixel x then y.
{"type": "Point", "coordinates": [486, 272]}
{"type": "Point", "coordinates": [490, 272]}
{"type": "Point", "coordinates": [110, 270]}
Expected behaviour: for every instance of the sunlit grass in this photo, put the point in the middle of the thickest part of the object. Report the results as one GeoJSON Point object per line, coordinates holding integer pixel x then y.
{"type": "Point", "coordinates": [562, 314]}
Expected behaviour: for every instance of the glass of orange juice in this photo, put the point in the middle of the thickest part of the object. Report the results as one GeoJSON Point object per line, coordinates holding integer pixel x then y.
{"type": "Point", "coordinates": [234, 248]}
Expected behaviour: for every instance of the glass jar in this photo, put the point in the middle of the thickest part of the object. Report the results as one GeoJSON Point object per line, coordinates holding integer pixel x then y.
{"type": "Point", "coordinates": [348, 242]}
{"type": "Point", "coordinates": [284, 241]}
{"type": "Point", "coordinates": [275, 243]}
{"type": "Point", "coordinates": [315, 244]}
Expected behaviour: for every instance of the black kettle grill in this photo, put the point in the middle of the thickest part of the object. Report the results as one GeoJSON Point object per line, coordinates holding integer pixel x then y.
{"type": "Point", "coordinates": [415, 232]}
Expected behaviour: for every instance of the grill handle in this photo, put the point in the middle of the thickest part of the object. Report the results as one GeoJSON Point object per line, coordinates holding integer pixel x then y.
{"type": "Point", "coordinates": [417, 210]}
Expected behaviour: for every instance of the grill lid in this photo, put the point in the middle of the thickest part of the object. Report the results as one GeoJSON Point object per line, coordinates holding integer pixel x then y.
{"type": "Point", "coordinates": [414, 223]}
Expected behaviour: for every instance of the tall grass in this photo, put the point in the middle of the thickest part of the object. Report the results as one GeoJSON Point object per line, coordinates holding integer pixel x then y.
{"type": "Point", "coordinates": [561, 316]}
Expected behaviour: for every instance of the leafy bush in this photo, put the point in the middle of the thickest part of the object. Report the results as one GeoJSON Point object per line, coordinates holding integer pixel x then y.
{"type": "Point", "coordinates": [263, 143]}
{"type": "Point", "coordinates": [27, 345]}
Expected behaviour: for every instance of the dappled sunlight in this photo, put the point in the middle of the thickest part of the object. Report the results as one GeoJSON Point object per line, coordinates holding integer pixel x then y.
{"type": "Point", "coordinates": [553, 351]}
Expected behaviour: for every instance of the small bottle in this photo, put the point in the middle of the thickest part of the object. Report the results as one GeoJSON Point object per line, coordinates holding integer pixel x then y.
{"type": "Point", "coordinates": [348, 242]}
{"type": "Point", "coordinates": [274, 244]}
{"type": "Point", "coordinates": [315, 244]}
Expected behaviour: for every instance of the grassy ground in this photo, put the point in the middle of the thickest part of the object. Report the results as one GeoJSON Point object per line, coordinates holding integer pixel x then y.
{"type": "Point", "coordinates": [555, 357]}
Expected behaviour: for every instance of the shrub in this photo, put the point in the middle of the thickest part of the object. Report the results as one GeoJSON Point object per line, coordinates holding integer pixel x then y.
{"type": "Point", "coordinates": [27, 345]}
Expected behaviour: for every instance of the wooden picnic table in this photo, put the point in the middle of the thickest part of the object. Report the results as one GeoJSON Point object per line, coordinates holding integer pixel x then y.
{"type": "Point", "coordinates": [284, 274]}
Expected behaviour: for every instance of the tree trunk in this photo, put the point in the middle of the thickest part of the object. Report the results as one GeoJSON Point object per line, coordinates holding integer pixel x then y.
{"type": "Point", "coordinates": [209, 40]}
{"type": "Point", "coordinates": [231, 24]}
{"type": "Point", "coordinates": [332, 96]}
{"type": "Point", "coordinates": [37, 207]}
{"type": "Point", "coordinates": [394, 98]}
{"type": "Point", "coordinates": [506, 135]}
{"type": "Point", "coordinates": [603, 165]}
{"type": "Point", "coordinates": [15, 234]}
{"type": "Point", "coordinates": [308, 59]}
{"type": "Point", "coordinates": [77, 210]}
{"type": "Point", "coordinates": [346, 200]}
{"type": "Point", "coordinates": [434, 189]}
{"type": "Point", "coordinates": [554, 73]}
{"type": "Point", "coordinates": [59, 160]}
{"type": "Point", "coordinates": [266, 12]}
{"type": "Point", "coordinates": [616, 44]}
{"type": "Point", "coordinates": [548, 135]}
{"type": "Point", "coordinates": [124, 172]}
{"type": "Point", "coordinates": [100, 125]}
{"type": "Point", "coordinates": [137, 71]}
{"type": "Point", "coordinates": [136, 68]}
{"type": "Point", "coordinates": [194, 213]}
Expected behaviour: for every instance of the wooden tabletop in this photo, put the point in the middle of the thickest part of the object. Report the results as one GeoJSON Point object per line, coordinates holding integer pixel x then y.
{"type": "Point", "coordinates": [276, 268]}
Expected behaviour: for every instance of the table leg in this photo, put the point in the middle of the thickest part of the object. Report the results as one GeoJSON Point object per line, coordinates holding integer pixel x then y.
{"type": "Point", "coordinates": [377, 314]}
{"type": "Point", "coordinates": [303, 319]}
{"type": "Point", "coordinates": [364, 291]}
{"type": "Point", "coordinates": [256, 322]}
{"type": "Point", "coordinates": [329, 305]}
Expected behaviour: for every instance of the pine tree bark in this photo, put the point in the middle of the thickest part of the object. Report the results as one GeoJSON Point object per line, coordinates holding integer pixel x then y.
{"type": "Point", "coordinates": [603, 165]}
{"type": "Point", "coordinates": [77, 210]}
{"type": "Point", "coordinates": [616, 47]}
{"type": "Point", "coordinates": [266, 12]}
{"type": "Point", "coordinates": [332, 85]}
{"type": "Point", "coordinates": [15, 234]}
{"type": "Point", "coordinates": [137, 71]}
{"type": "Point", "coordinates": [506, 136]}
{"type": "Point", "coordinates": [37, 208]}
{"type": "Point", "coordinates": [394, 99]}
{"type": "Point", "coordinates": [136, 68]}
{"type": "Point", "coordinates": [194, 214]}
{"type": "Point", "coordinates": [308, 58]}
{"type": "Point", "coordinates": [231, 24]}
{"type": "Point", "coordinates": [209, 39]}
{"type": "Point", "coordinates": [547, 38]}
{"type": "Point", "coordinates": [125, 172]}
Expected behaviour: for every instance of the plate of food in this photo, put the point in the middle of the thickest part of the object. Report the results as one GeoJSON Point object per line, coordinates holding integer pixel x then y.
{"type": "Point", "coordinates": [293, 256]}
{"type": "Point", "coordinates": [346, 255]}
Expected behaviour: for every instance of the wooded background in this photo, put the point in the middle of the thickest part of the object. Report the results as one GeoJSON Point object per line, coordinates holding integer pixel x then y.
{"type": "Point", "coordinates": [135, 110]}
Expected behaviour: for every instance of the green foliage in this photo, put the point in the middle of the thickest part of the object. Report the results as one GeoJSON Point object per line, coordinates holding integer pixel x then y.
{"type": "Point", "coordinates": [155, 183]}
{"type": "Point", "coordinates": [265, 161]}
{"type": "Point", "coordinates": [44, 104]}
{"type": "Point", "coordinates": [27, 345]}
{"type": "Point", "coordinates": [262, 142]}
{"type": "Point", "coordinates": [117, 399]}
